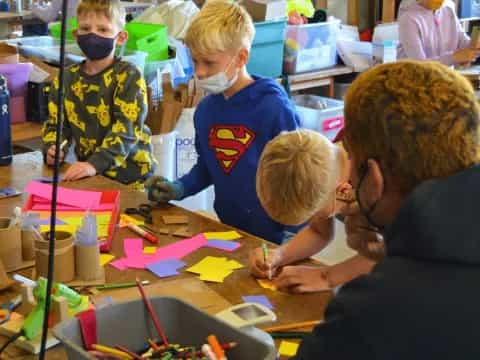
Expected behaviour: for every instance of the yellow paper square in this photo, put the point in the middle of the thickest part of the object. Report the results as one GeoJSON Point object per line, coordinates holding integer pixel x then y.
{"type": "Point", "coordinates": [105, 259]}
{"type": "Point", "coordinates": [75, 220]}
{"type": "Point", "coordinates": [234, 265]}
{"type": "Point", "coordinates": [222, 235]}
{"type": "Point", "coordinates": [149, 250]}
{"type": "Point", "coordinates": [267, 284]}
{"type": "Point", "coordinates": [288, 348]}
{"type": "Point", "coordinates": [67, 228]}
{"type": "Point", "coordinates": [217, 275]}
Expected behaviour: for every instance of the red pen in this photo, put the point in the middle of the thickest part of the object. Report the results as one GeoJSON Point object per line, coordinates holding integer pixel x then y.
{"type": "Point", "coordinates": [143, 233]}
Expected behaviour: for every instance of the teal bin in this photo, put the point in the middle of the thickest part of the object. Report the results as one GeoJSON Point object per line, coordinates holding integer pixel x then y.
{"type": "Point", "coordinates": [266, 55]}
{"type": "Point", "coordinates": [150, 38]}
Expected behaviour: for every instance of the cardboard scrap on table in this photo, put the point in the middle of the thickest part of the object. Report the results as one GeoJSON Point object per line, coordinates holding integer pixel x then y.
{"type": "Point", "coordinates": [175, 219]}
{"type": "Point", "coordinates": [183, 232]}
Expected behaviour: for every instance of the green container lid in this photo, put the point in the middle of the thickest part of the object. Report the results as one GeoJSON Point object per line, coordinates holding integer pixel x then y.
{"type": "Point", "coordinates": [150, 38]}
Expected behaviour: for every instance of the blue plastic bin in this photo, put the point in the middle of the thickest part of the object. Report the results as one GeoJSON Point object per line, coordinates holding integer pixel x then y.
{"type": "Point", "coordinates": [469, 8]}
{"type": "Point", "coordinates": [266, 56]}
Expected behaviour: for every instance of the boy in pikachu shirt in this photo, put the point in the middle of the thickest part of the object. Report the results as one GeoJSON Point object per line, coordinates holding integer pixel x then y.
{"type": "Point", "coordinates": [105, 103]}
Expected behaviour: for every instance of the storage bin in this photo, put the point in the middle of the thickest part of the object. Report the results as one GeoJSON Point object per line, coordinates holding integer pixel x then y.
{"type": "Point", "coordinates": [55, 29]}
{"type": "Point", "coordinates": [183, 324]}
{"type": "Point", "coordinates": [310, 47]}
{"type": "Point", "coordinates": [321, 114]}
{"type": "Point", "coordinates": [151, 38]}
{"type": "Point", "coordinates": [469, 8]}
{"type": "Point", "coordinates": [266, 55]}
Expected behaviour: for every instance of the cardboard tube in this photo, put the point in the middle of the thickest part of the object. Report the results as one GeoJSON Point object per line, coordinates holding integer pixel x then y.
{"type": "Point", "coordinates": [64, 270]}
{"type": "Point", "coordinates": [10, 244]}
{"type": "Point", "coordinates": [28, 244]}
{"type": "Point", "coordinates": [87, 262]}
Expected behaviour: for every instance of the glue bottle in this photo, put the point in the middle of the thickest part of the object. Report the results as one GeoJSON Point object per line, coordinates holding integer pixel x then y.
{"type": "Point", "coordinates": [5, 130]}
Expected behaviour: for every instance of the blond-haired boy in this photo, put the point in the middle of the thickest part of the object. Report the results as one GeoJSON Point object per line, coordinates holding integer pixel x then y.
{"type": "Point", "coordinates": [232, 124]}
{"type": "Point", "coordinates": [105, 103]}
{"type": "Point", "coordinates": [302, 175]}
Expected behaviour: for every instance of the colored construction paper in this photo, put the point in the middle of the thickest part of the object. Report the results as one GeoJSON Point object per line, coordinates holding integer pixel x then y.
{"type": "Point", "coordinates": [149, 250]}
{"type": "Point", "coordinates": [105, 259]}
{"type": "Point", "coordinates": [76, 220]}
{"type": "Point", "coordinates": [166, 268]}
{"type": "Point", "coordinates": [60, 207]}
{"type": "Point", "coordinates": [218, 275]}
{"type": "Point", "coordinates": [267, 284]}
{"type": "Point", "coordinates": [224, 235]}
{"type": "Point", "coordinates": [102, 230]}
{"type": "Point", "coordinates": [223, 245]}
{"type": "Point", "coordinates": [179, 249]}
{"type": "Point", "coordinates": [118, 264]}
{"type": "Point", "coordinates": [47, 222]}
{"type": "Point", "coordinates": [75, 198]}
{"type": "Point", "coordinates": [288, 348]}
{"type": "Point", "coordinates": [137, 262]}
{"type": "Point", "coordinates": [258, 299]}
{"type": "Point", "coordinates": [104, 219]}
{"type": "Point", "coordinates": [234, 265]}
{"type": "Point", "coordinates": [133, 247]}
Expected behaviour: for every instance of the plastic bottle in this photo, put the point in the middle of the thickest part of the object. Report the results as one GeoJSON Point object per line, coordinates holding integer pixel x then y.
{"type": "Point", "coordinates": [4, 6]}
{"type": "Point", "coordinates": [5, 130]}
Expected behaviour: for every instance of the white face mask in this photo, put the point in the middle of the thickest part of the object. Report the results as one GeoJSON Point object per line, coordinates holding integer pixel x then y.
{"type": "Point", "coordinates": [219, 82]}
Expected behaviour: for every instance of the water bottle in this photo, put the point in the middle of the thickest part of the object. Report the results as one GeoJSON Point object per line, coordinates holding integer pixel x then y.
{"type": "Point", "coordinates": [5, 131]}
{"type": "Point", "coordinates": [4, 6]}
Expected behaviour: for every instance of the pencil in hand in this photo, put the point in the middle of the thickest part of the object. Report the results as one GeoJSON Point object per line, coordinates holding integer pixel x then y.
{"type": "Point", "coordinates": [265, 256]}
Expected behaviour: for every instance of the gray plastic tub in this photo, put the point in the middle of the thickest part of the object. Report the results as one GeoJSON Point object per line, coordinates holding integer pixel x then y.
{"type": "Point", "coordinates": [128, 324]}
{"type": "Point", "coordinates": [321, 114]}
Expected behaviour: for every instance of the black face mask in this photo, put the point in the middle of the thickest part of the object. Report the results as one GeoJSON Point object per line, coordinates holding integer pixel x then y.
{"type": "Point", "coordinates": [363, 170]}
{"type": "Point", "coordinates": [95, 47]}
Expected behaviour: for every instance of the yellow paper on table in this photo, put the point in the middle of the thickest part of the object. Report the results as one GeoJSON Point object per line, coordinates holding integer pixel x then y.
{"type": "Point", "coordinates": [217, 275]}
{"type": "Point", "coordinates": [149, 250]}
{"type": "Point", "coordinates": [267, 284]}
{"type": "Point", "coordinates": [288, 348]}
{"type": "Point", "coordinates": [105, 259]}
{"type": "Point", "coordinates": [213, 263]}
{"type": "Point", "coordinates": [67, 228]}
{"type": "Point", "coordinates": [225, 235]}
{"type": "Point", "coordinates": [234, 265]}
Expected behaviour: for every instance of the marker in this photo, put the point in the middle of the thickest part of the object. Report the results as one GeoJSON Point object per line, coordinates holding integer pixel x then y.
{"type": "Point", "coordinates": [143, 233]}
{"type": "Point", "coordinates": [265, 256]}
{"type": "Point", "coordinates": [63, 144]}
{"type": "Point", "coordinates": [111, 351]}
{"type": "Point", "coordinates": [216, 348]}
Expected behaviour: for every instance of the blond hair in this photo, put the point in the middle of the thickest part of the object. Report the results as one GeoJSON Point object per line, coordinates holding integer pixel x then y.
{"type": "Point", "coordinates": [221, 26]}
{"type": "Point", "coordinates": [297, 175]}
{"type": "Point", "coordinates": [418, 119]}
{"type": "Point", "coordinates": [112, 9]}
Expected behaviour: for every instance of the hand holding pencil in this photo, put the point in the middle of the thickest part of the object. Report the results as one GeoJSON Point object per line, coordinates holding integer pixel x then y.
{"type": "Point", "coordinates": [265, 262]}
{"type": "Point", "coordinates": [52, 150]}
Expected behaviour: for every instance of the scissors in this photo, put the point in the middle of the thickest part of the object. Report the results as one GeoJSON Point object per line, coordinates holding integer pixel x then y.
{"type": "Point", "coordinates": [144, 210]}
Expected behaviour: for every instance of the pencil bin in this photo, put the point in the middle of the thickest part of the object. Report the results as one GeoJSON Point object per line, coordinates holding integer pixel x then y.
{"type": "Point", "coordinates": [10, 244]}
{"type": "Point", "coordinates": [64, 253]}
{"type": "Point", "coordinates": [87, 262]}
{"type": "Point", "coordinates": [182, 323]}
{"type": "Point", "coordinates": [28, 244]}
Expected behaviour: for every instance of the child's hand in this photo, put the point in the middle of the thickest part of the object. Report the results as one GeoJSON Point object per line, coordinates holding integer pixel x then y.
{"type": "Point", "coordinates": [51, 155]}
{"type": "Point", "coordinates": [259, 268]}
{"type": "Point", "coordinates": [79, 170]}
{"type": "Point", "coordinates": [161, 190]}
{"type": "Point", "coordinates": [302, 279]}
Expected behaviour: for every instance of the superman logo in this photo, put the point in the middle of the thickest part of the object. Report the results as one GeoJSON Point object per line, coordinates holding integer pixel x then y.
{"type": "Point", "coordinates": [230, 143]}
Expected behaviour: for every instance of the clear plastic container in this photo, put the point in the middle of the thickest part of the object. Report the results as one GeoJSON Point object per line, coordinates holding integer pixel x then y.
{"type": "Point", "coordinates": [310, 47]}
{"type": "Point", "coordinates": [321, 114]}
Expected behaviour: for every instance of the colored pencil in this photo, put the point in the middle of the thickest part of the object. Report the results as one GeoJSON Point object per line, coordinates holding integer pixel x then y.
{"type": "Point", "coordinates": [152, 313]}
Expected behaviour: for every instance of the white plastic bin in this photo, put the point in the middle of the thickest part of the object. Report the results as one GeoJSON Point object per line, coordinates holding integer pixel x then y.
{"type": "Point", "coordinates": [321, 114]}
{"type": "Point", "coordinates": [310, 47]}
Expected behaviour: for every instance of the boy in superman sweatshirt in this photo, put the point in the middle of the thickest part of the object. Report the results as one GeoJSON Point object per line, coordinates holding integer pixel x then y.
{"type": "Point", "coordinates": [232, 124]}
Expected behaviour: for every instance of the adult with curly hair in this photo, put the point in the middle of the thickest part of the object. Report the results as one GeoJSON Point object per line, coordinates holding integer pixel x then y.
{"type": "Point", "coordinates": [430, 30]}
{"type": "Point", "coordinates": [412, 133]}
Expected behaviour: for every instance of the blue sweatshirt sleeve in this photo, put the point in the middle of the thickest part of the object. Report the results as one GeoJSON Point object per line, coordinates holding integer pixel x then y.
{"type": "Point", "coordinates": [199, 177]}
{"type": "Point", "coordinates": [286, 118]}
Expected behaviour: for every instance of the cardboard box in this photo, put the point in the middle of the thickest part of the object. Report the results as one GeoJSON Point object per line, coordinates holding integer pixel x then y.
{"type": "Point", "coordinates": [263, 10]}
{"type": "Point", "coordinates": [8, 54]}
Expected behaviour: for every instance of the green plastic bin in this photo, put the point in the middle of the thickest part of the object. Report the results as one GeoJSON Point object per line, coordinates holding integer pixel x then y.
{"type": "Point", "coordinates": [266, 55]}
{"type": "Point", "coordinates": [150, 38]}
{"type": "Point", "coordinates": [55, 29]}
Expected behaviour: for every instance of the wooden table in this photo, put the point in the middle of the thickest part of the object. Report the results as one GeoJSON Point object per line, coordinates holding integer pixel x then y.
{"type": "Point", "coordinates": [26, 131]}
{"type": "Point", "coordinates": [325, 77]}
{"type": "Point", "coordinates": [289, 308]}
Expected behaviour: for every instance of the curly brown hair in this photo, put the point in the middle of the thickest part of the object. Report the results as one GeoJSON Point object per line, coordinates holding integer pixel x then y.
{"type": "Point", "coordinates": [418, 119]}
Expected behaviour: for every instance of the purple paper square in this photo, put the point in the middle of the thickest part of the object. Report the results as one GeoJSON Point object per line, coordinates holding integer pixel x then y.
{"type": "Point", "coordinates": [223, 244]}
{"type": "Point", "coordinates": [166, 268]}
